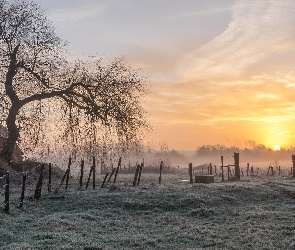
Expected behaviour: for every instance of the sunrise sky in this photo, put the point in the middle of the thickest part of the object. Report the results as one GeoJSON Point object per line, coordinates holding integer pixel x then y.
{"type": "Point", "coordinates": [221, 72]}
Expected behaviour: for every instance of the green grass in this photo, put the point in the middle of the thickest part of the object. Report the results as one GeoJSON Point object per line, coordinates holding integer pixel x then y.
{"type": "Point", "coordinates": [249, 214]}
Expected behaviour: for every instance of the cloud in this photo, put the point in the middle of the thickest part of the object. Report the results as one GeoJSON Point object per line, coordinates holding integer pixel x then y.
{"type": "Point", "coordinates": [204, 12]}
{"type": "Point", "coordinates": [238, 85]}
{"type": "Point", "coordinates": [283, 132]}
{"type": "Point", "coordinates": [257, 29]}
{"type": "Point", "coordinates": [77, 13]}
{"type": "Point", "coordinates": [260, 99]}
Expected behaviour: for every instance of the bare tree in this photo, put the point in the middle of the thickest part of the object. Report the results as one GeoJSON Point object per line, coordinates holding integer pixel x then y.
{"type": "Point", "coordinates": [36, 75]}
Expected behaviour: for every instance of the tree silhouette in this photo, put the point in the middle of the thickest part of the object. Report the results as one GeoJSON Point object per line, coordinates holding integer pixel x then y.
{"type": "Point", "coordinates": [36, 72]}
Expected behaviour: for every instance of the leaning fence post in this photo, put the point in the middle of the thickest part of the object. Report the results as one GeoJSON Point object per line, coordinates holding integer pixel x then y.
{"type": "Point", "coordinates": [104, 180]}
{"type": "Point", "coordinates": [119, 167]}
{"type": "Point", "coordinates": [63, 178]}
{"type": "Point", "coordinates": [23, 190]}
{"type": "Point", "coordinates": [91, 169]}
{"type": "Point", "coordinates": [161, 167]}
{"type": "Point", "coordinates": [139, 174]}
{"type": "Point", "coordinates": [190, 170]}
{"type": "Point", "coordinates": [7, 192]}
{"type": "Point", "coordinates": [111, 175]}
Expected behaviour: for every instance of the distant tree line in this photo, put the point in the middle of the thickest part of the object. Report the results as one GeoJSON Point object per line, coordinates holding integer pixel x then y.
{"type": "Point", "coordinates": [257, 151]}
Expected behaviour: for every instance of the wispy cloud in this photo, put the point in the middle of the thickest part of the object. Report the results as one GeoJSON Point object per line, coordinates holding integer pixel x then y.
{"type": "Point", "coordinates": [77, 13]}
{"type": "Point", "coordinates": [283, 132]}
{"type": "Point", "coordinates": [257, 29]}
{"type": "Point", "coordinates": [202, 12]}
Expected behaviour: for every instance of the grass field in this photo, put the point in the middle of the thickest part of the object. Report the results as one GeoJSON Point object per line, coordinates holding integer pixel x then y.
{"type": "Point", "coordinates": [254, 213]}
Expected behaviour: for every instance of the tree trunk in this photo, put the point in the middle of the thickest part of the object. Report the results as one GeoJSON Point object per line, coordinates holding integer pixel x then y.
{"type": "Point", "coordinates": [13, 133]}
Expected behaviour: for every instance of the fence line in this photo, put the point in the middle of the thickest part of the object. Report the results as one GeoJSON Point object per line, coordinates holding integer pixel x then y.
{"type": "Point", "coordinates": [12, 187]}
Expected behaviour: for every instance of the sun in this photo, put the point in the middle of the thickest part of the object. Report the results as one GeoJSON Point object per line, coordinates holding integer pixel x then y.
{"type": "Point", "coordinates": [276, 148]}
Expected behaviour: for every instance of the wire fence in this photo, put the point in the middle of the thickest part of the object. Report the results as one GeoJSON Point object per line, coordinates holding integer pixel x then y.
{"type": "Point", "coordinates": [15, 186]}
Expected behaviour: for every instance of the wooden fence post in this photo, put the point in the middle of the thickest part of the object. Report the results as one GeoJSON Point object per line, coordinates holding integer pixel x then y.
{"type": "Point", "coordinates": [119, 167]}
{"type": "Point", "coordinates": [104, 180]}
{"type": "Point", "coordinates": [136, 175]}
{"type": "Point", "coordinates": [190, 170]}
{"type": "Point", "coordinates": [293, 160]}
{"type": "Point", "coordinates": [222, 172]}
{"type": "Point", "coordinates": [38, 190]}
{"type": "Point", "coordinates": [91, 169]}
{"type": "Point", "coordinates": [210, 169]}
{"type": "Point", "coordinates": [82, 173]}
{"type": "Point", "coordinates": [49, 177]}
{"type": "Point", "coordinates": [68, 172]}
{"type": "Point", "coordinates": [237, 166]}
{"type": "Point", "coordinates": [279, 170]}
{"type": "Point", "coordinates": [101, 166]}
{"type": "Point", "coordinates": [23, 190]}
{"type": "Point", "coordinates": [6, 203]}
{"type": "Point", "coordinates": [161, 167]}
{"type": "Point", "coordinates": [139, 173]}
{"type": "Point", "coordinates": [247, 169]}
{"type": "Point", "coordinates": [63, 178]}
{"type": "Point", "coordinates": [271, 168]}
{"type": "Point", "coordinates": [93, 176]}
{"type": "Point", "coordinates": [111, 175]}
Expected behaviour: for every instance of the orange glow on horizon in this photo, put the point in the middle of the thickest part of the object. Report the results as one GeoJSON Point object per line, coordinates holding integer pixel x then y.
{"type": "Point", "coordinates": [276, 148]}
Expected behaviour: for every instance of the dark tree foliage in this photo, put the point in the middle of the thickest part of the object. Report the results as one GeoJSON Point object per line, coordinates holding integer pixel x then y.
{"type": "Point", "coordinates": [37, 79]}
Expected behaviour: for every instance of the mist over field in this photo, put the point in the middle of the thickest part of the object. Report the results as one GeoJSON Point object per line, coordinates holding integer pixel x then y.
{"type": "Point", "coordinates": [258, 157]}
